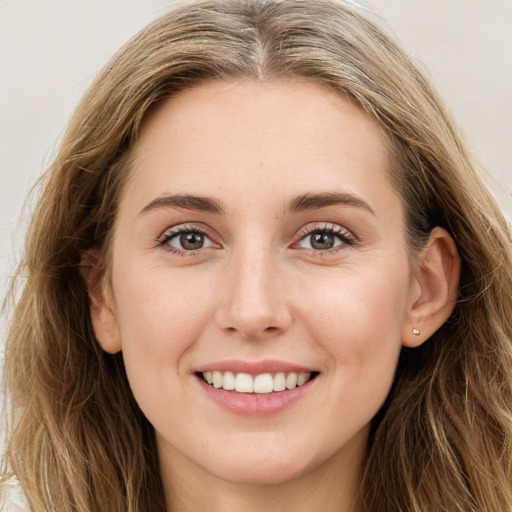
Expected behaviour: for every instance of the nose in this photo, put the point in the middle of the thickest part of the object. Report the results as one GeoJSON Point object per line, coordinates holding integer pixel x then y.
{"type": "Point", "coordinates": [253, 300]}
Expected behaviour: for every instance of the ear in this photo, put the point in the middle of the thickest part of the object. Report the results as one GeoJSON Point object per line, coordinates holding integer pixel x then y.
{"type": "Point", "coordinates": [101, 302]}
{"type": "Point", "coordinates": [435, 288]}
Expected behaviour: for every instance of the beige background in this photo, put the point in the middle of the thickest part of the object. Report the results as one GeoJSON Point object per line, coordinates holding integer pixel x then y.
{"type": "Point", "coordinates": [50, 50]}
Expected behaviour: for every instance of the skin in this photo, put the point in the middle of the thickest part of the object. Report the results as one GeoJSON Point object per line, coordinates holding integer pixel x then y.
{"type": "Point", "coordinates": [259, 290]}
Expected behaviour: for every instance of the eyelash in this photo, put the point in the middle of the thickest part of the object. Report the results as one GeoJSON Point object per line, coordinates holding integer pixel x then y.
{"type": "Point", "coordinates": [343, 235]}
{"type": "Point", "coordinates": [164, 240]}
{"type": "Point", "coordinates": [346, 238]}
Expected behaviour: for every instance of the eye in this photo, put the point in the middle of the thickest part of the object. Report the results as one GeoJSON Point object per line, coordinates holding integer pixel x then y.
{"type": "Point", "coordinates": [326, 238]}
{"type": "Point", "coordinates": [186, 240]}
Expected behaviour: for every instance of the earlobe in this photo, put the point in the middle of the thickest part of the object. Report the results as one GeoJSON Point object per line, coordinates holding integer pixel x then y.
{"type": "Point", "coordinates": [436, 287]}
{"type": "Point", "coordinates": [101, 307]}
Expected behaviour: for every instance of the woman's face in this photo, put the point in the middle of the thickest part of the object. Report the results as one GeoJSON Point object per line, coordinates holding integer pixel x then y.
{"type": "Point", "coordinates": [260, 239]}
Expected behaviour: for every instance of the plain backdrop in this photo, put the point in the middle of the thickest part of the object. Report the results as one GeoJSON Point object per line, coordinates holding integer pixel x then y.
{"type": "Point", "coordinates": [51, 49]}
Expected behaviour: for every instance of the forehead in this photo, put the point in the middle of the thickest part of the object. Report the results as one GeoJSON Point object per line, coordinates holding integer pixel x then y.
{"type": "Point", "coordinates": [231, 137]}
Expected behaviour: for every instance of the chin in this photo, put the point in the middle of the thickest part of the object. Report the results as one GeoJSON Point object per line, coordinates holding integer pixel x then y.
{"type": "Point", "coordinates": [269, 472]}
{"type": "Point", "coordinates": [267, 460]}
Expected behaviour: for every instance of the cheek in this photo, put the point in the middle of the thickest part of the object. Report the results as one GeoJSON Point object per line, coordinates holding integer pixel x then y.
{"type": "Point", "coordinates": [160, 315]}
{"type": "Point", "coordinates": [357, 318]}
{"type": "Point", "coordinates": [162, 301]}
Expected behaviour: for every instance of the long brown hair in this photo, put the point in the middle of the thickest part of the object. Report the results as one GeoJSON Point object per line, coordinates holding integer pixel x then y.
{"type": "Point", "coordinates": [443, 440]}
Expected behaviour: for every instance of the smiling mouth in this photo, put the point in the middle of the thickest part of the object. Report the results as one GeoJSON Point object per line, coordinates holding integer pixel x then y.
{"type": "Point", "coordinates": [263, 383]}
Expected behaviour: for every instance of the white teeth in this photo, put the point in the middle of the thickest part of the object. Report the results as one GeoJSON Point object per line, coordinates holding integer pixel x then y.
{"type": "Point", "coordinates": [302, 378]}
{"type": "Point", "coordinates": [261, 384]}
{"type": "Point", "coordinates": [229, 381]}
{"type": "Point", "coordinates": [244, 383]}
{"type": "Point", "coordinates": [291, 381]}
{"type": "Point", "coordinates": [264, 383]}
{"type": "Point", "coordinates": [279, 382]}
{"type": "Point", "coordinates": [217, 379]}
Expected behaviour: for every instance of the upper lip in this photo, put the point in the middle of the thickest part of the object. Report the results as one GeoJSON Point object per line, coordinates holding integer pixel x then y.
{"type": "Point", "coordinates": [254, 367]}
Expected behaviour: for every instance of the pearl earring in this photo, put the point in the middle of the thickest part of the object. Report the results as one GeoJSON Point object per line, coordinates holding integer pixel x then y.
{"type": "Point", "coordinates": [416, 332]}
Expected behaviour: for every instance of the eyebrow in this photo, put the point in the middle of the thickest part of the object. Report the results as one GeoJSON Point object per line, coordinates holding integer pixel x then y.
{"type": "Point", "coordinates": [299, 204]}
{"type": "Point", "coordinates": [315, 201]}
{"type": "Point", "coordinates": [186, 202]}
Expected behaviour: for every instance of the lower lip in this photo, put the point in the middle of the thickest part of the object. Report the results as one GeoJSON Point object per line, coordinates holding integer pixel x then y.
{"type": "Point", "coordinates": [255, 405]}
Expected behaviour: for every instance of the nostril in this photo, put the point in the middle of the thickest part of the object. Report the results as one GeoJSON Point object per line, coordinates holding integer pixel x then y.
{"type": "Point", "coordinates": [248, 332]}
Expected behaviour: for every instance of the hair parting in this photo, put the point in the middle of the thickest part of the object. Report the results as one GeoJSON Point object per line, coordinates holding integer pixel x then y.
{"type": "Point", "coordinates": [443, 440]}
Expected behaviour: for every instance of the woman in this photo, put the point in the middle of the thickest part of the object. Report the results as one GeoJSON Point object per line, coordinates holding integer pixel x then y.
{"type": "Point", "coordinates": [263, 272]}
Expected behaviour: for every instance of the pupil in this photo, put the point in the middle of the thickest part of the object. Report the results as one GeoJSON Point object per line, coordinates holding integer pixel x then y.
{"type": "Point", "coordinates": [191, 241]}
{"type": "Point", "coordinates": [322, 241]}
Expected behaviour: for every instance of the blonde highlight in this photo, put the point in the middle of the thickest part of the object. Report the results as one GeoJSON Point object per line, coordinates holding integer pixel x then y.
{"type": "Point", "coordinates": [443, 440]}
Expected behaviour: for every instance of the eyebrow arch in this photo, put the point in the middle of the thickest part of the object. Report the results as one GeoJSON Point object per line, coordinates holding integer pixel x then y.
{"type": "Point", "coordinates": [299, 204]}
{"type": "Point", "coordinates": [186, 202]}
{"type": "Point", "coordinates": [314, 201]}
